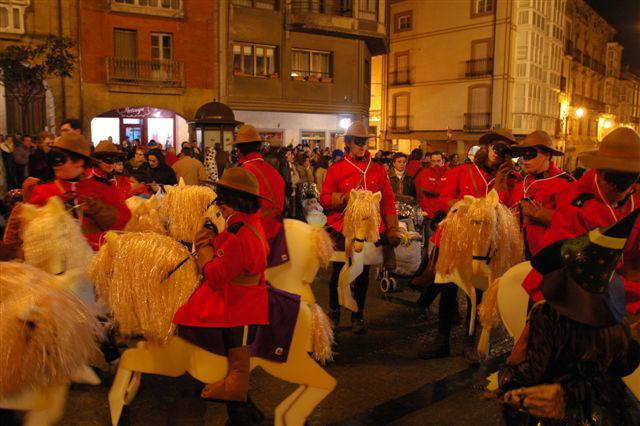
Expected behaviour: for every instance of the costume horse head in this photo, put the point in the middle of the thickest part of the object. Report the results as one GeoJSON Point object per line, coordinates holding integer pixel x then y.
{"type": "Point", "coordinates": [145, 216]}
{"type": "Point", "coordinates": [481, 239]}
{"type": "Point", "coordinates": [361, 220]}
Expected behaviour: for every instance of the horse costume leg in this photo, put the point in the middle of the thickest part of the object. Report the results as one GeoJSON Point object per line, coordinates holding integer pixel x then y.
{"type": "Point", "coordinates": [52, 410]}
{"type": "Point", "coordinates": [284, 406]}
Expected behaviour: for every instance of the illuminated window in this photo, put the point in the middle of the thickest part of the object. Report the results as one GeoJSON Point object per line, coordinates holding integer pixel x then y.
{"type": "Point", "coordinates": [257, 4]}
{"type": "Point", "coordinates": [482, 7]}
{"type": "Point", "coordinates": [12, 16]}
{"type": "Point", "coordinates": [310, 64]}
{"type": "Point", "coordinates": [169, 8]}
{"type": "Point", "coordinates": [403, 21]}
{"type": "Point", "coordinates": [254, 60]}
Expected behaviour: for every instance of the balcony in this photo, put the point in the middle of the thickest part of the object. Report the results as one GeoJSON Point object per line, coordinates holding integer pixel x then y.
{"type": "Point", "coordinates": [399, 78]}
{"type": "Point", "coordinates": [479, 67]}
{"type": "Point", "coordinates": [142, 72]}
{"type": "Point", "coordinates": [339, 18]}
{"type": "Point", "coordinates": [399, 123]}
{"type": "Point", "coordinates": [164, 8]}
{"type": "Point", "coordinates": [477, 121]}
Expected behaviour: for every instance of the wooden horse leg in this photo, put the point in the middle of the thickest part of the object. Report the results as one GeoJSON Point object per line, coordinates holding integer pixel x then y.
{"type": "Point", "coordinates": [282, 408]}
{"type": "Point", "coordinates": [304, 405]}
{"type": "Point", "coordinates": [52, 410]}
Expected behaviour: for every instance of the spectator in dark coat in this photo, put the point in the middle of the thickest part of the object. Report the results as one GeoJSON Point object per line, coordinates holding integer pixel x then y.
{"type": "Point", "coordinates": [401, 182]}
{"type": "Point", "coordinates": [137, 166]}
{"type": "Point", "coordinates": [21, 154]}
{"type": "Point", "coordinates": [159, 172]}
{"type": "Point", "coordinates": [39, 166]}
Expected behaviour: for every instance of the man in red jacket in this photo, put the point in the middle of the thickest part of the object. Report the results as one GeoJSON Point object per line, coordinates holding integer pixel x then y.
{"type": "Point", "coordinates": [604, 195]}
{"type": "Point", "coordinates": [537, 193]}
{"type": "Point", "coordinates": [415, 162]}
{"type": "Point", "coordinates": [429, 182]}
{"type": "Point", "coordinates": [492, 168]}
{"type": "Point", "coordinates": [356, 171]}
{"type": "Point", "coordinates": [233, 295]}
{"type": "Point", "coordinates": [249, 142]}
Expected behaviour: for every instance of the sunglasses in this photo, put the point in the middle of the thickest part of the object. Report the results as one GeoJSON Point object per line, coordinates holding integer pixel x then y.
{"type": "Point", "coordinates": [501, 150]}
{"type": "Point", "coordinates": [57, 158]}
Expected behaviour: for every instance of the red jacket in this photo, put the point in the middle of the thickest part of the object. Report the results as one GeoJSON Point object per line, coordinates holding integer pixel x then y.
{"type": "Point", "coordinates": [581, 209]}
{"type": "Point", "coordinates": [429, 179]}
{"type": "Point", "coordinates": [412, 167]}
{"type": "Point", "coordinates": [241, 250]}
{"type": "Point", "coordinates": [348, 174]}
{"type": "Point", "coordinates": [272, 187]}
{"type": "Point", "coordinates": [543, 191]}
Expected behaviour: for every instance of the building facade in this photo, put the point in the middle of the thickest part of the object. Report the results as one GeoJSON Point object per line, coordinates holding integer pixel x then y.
{"type": "Point", "coordinates": [300, 70]}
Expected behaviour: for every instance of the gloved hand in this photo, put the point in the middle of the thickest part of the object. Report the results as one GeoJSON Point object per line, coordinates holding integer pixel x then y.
{"type": "Point", "coordinates": [339, 200]}
{"type": "Point", "coordinates": [102, 214]}
{"type": "Point", "coordinates": [205, 254]}
{"type": "Point", "coordinates": [502, 175]}
{"type": "Point", "coordinates": [394, 235]}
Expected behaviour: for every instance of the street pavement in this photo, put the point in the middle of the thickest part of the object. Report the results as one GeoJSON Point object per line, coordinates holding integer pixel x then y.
{"type": "Point", "coordinates": [380, 379]}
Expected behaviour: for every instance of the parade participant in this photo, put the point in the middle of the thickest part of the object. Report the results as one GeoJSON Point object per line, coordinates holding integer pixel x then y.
{"type": "Point", "coordinates": [356, 171]}
{"type": "Point", "coordinates": [602, 196]}
{"type": "Point", "coordinates": [233, 294]}
{"type": "Point", "coordinates": [401, 181]}
{"type": "Point", "coordinates": [249, 142]}
{"type": "Point", "coordinates": [428, 183]}
{"type": "Point", "coordinates": [537, 193]}
{"type": "Point", "coordinates": [415, 162]}
{"type": "Point", "coordinates": [491, 169]}
{"type": "Point", "coordinates": [567, 364]}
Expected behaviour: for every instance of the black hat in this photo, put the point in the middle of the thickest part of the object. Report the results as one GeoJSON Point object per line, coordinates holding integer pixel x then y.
{"type": "Point", "coordinates": [578, 272]}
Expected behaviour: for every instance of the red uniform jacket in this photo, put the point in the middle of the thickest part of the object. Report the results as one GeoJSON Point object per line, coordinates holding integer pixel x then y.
{"type": "Point", "coordinates": [412, 167]}
{"type": "Point", "coordinates": [543, 191]}
{"type": "Point", "coordinates": [348, 174]}
{"type": "Point", "coordinates": [272, 187]}
{"type": "Point", "coordinates": [241, 250]}
{"type": "Point", "coordinates": [581, 209]}
{"type": "Point", "coordinates": [429, 179]}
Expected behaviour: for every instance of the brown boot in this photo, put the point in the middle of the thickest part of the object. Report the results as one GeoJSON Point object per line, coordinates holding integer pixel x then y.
{"type": "Point", "coordinates": [235, 386]}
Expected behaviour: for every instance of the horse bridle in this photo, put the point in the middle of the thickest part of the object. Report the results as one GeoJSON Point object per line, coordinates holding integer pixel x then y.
{"type": "Point", "coordinates": [486, 258]}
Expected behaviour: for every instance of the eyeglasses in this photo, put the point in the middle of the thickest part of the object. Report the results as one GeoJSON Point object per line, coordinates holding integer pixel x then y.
{"type": "Point", "coordinates": [57, 158]}
{"type": "Point", "coordinates": [501, 150]}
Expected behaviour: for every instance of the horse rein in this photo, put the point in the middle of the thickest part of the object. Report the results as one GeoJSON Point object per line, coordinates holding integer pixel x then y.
{"type": "Point", "coordinates": [486, 258]}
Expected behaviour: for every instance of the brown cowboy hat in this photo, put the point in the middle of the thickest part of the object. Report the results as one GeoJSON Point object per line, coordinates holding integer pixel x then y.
{"type": "Point", "coordinates": [107, 148]}
{"type": "Point", "coordinates": [503, 135]}
{"type": "Point", "coordinates": [357, 129]}
{"type": "Point", "coordinates": [246, 134]}
{"type": "Point", "coordinates": [537, 139]}
{"type": "Point", "coordinates": [72, 142]}
{"type": "Point", "coordinates": [240, 180]}
{"type": "Point", "coordinates": [619, 151]}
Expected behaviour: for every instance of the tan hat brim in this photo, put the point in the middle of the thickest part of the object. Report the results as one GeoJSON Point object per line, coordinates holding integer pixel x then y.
{"type": "Point", "coordinates": [238, 189]}
{"type": "Point", "coordinates": [86, 157]}
{"type": "Point", "coordinates": [593, 160]}
{"type": "Point", "coordinates": [517, 148]}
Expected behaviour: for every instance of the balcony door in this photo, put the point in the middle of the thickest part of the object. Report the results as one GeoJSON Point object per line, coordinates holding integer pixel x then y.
{"type": "Point", "coordinates": [161, 55]}
{"type": "Point", "coordinates": [400, 117]}
{"type": "Point", "coordinates": [125, 43]}
{"type": "Point", "coordinates": [402, 68]}
{"type": "Point", "coordinates": [479, 109]}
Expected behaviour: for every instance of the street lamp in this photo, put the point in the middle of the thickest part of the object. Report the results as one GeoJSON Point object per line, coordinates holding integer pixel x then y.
{"type": "Point", "coordinates": [345, 123]}
{"type": "Point", "coordinates": [579, 112]}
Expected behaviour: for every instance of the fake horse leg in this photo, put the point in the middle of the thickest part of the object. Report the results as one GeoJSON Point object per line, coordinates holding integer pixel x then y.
{"type": "Point", "coordinates": [304, 405]}
{"type": "Point", "coordinates": [284, 406]}
{"type": "Point", "coordinates": [52, 409]}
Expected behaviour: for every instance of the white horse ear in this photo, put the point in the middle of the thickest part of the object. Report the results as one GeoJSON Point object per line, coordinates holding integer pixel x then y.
{"type": "Point", "coordinates": [352, 195]}
{"type": "Point", "coordinates": [181, 183]}
{"type": "Point", "coordinates": [493, 198]}
{"type": "Point", "coordinates": [377, 197]}
{"type": "Point", "coordinates": [469, 199]}
{"type": "Point", "coordinates": [111, 239]}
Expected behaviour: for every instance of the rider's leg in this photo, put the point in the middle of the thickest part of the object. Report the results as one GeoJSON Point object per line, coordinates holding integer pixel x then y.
{"type": "Point", "coordinates": [438, 346]}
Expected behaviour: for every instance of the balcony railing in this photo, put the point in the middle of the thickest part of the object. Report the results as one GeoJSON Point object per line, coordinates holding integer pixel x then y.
{"type": "Point", "coordinates": [476, 121]}
{"type": "Point", "coordinates": [154, 72]}
{"type": "Point", "coordinates": [479, 67]}
{"type": "Point", "coordinates": [400, 122]}
{"type": "Point", "coordinates": [399, 77]}
{"type": "Point", "coordinates": [328, 7]}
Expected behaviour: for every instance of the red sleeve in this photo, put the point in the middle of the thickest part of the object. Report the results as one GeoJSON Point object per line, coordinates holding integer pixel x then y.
{"type": "Point", "coordinates": [532, 284]}
{"type": "Point", "coordinates": [450, 187]}
{"type": "Point", "coordinates": [388, 202]}
{"type": "Point", "coordinates": [328, 188]}
{"type": "Point", "coordinates": [38, 196]}
{"type": "Point", "coordinates": [566, 223]}
{"type": "Point", "coordinates": [227, 264]}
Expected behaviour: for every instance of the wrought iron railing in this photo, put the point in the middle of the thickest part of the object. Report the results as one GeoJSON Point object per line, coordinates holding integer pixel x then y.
{"type": "Point", "coordinates": [479, 67]}
{"type": "Point", "coordinates": [477, 120]}
{"type": "Point", "coordinates": [153, 72]}
{"type": "Point", "coordinates": [328, 7]}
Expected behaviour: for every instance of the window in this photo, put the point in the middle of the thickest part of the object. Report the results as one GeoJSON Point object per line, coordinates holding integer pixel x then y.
{"type": "Point", "coordinates": [401, 73]}
{"type": "Point", "coordinates": [12, 16]}
{"type": "Point", "coordinates": [314, 139]}
{"type": "Point", "coordinates": [168, 8]}
{"type": "Point", "coordinates": [481, 7]}
{"type": "Point", "coordinates": [403, 21]}
{"type": "Point", "coordinates": [161, 46]}
{"type": "Point", "coordinates": [257, 4]}
{"type": "Point", "coordinates": [311, 65]}
{"type": "Point", "coordinates": [369, 10]}
{"type": "Point", "coordinates": [254, 60]}
{"type": "Point", "coordinates": [125, 43]}
{"type": "Point", "coordinates": [400, 117]}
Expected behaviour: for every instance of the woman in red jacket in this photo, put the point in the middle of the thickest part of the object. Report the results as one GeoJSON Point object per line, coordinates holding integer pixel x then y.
{"type": "Point", "coordinates": [233, 294]}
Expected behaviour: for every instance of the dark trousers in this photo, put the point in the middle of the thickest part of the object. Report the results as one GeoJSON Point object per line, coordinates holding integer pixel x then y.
{"type": "Point", "coordinates": [361, 286]}
{"type": "Point", "coordinates": [448, 309]}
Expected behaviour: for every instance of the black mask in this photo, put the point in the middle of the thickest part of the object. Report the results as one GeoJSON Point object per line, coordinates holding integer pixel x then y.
{"type": "Point", "coordinates": [57, 158]}
{"type": "Point", "coordinates": [501, 150]}
{"type": "Point", "coordinates": [621, 181]}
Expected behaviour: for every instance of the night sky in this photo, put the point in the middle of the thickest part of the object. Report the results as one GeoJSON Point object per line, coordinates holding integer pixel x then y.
{"type": "Point", "coordinates": [624, 15]}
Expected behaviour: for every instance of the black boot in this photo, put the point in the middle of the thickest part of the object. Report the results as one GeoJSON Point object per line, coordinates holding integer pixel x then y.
{"type": "Point", "coordinates": [470, 351]}
{"type": "Point", "coordinates": [334, 316]}
{"type": "Point", "coordinates": [434, 347]}
{"type": "Point", "coordinates": [358, 325]}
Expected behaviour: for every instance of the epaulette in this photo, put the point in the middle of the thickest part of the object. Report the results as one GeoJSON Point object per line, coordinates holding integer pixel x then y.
{"type": "Point", "coordinates": [235, 227]}
{"type": "Point", "coordinates": [581, 199]}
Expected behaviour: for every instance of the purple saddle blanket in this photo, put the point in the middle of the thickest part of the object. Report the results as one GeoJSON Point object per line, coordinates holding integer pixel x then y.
{"type": "Point", "coordinates": [272, 341]}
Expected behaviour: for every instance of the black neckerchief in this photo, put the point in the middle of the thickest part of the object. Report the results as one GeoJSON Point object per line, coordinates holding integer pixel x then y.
{"type": "Point", "coordinates": [72, 180]}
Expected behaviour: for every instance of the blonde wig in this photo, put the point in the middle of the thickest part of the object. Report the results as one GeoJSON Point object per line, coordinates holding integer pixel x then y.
{"type": "Point", "coordinates": [184, 207]}
{"type": "Point", "coordinates": [47, 333]}
{"type": "Point", "coordinates": [52, 239]}
{"type": "Point", "coordinates": [363, 209]}
{"type": "Point", "coordinates": [145, 217]}
{"type": "Point", "coordinates": [144, 278]}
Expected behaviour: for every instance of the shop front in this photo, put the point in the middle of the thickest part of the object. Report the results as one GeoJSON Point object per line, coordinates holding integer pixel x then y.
{"type": "Point", "coordinates": [141, 124]}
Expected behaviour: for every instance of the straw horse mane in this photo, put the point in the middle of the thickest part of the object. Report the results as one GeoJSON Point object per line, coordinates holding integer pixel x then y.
{"type": "Point", "coordinates": [145, 216]}
{"type": "Point", "coordinates": [144, 299]}
{"type": "Point", "coordinates": [47, 333]}
{"type": "Point", "coordinates": [475, 224]}
{"type": "Point", "coordinates": [51, 234]}
{"type": "Point", "coordinates": [362, 217]}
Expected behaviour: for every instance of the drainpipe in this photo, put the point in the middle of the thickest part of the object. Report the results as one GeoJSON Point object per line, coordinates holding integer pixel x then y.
{"type": "Point", "coordinates": [63, 89]}
{"type": "Point", "coordinates": [493, 59]}
{"type": "Point", "coordinates": [81, 78]}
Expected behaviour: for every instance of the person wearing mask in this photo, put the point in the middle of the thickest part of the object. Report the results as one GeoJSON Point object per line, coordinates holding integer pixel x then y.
{"type": "Point", "coordinates": [491, 169]}
{"type": "Point", "coordinates": [137, 167]}
{"type": "Point", "coordinates": [604, 195]}
{"type": "Point", "coordinates": [320, 171]}
{"type": "Point", "coordinates": [158, 172]}
{"type": "Point", "coordinates": [401, 181]}
{"type": "Point", "coordinates": [356, 171]}
{"type": "Point", "coordinates": [71, 125]}
{"type": "Point", "coordinates": [233, 295]}
{"type": "Point", "coordinates": [189, 169]}
{"type": "Point", "coordinates": [272, 190]}
{"type": "Point", "coordinates": [39, 167]}
{"type": "Point", "coordinates": [415, 162]}
{"type": "Point", "coordinates": [536, 194]}
{"type": "Point", "coordinates": [21, 154]}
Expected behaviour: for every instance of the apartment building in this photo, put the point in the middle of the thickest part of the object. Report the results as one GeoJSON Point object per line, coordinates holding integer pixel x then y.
{"type": "Point", "coordinates": [300, 70]}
